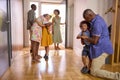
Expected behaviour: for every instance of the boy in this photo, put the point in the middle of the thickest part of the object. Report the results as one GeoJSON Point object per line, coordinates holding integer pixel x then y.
{"type": "Point", "coordinates": [84, 26]}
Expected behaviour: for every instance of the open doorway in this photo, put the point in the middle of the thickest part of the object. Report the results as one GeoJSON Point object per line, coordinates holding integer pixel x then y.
{"type": "Point", "coordinates": [49, 8]}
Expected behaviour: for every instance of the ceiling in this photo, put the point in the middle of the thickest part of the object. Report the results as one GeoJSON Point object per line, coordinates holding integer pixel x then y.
{"type": "Point", "coordinates": [52, 1]}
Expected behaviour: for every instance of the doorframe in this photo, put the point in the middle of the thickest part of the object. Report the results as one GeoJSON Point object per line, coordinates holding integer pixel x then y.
{"type": "Point", "coordinates": [24, 15]}
{"type": "Point", "coordinates": [66, 25]}
{"type": "Point", "coordinates": [9, 31]}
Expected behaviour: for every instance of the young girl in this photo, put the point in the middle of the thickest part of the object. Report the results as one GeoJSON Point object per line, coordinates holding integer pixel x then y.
{"type": "Point", "coordinates": [56, 29]}
{"type": "Point", "coordinates": [46, 39]}
{"type": "Point", "coordinates": [84, 26]}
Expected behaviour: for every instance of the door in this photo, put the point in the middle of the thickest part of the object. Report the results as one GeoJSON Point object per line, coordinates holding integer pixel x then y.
{"type": "Point", "coordinates": [71, 25]}
{"type": "Point", "coordinates": [4, 38]}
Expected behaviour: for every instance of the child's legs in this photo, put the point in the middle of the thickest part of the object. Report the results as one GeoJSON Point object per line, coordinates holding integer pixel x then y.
{"type": "Point", "coordinates": [85, 54]}
{"type": "Point", "coordinates": [89, 62]}
{"type": "Point", "coordinates": [84, 60]}
{"type": "Point", "coordinates": [47, 49]}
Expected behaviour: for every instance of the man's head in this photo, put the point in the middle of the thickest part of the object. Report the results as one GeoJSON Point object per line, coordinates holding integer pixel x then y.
{"type": "Point", "coordinates": [88, 15]}
{"type": "Point", "coordinates": [33, 6]}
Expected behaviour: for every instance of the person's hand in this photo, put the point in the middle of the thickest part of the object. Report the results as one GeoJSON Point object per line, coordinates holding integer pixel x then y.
{"type": "Point", "coordinates": [78, 37]}
{"type": "Point", "coordinates": [84, 37]}
{"type": "Point", "coordinates": [62, 23]}
{"type": "Point", "coordinates": [47, 25]}
{"type": "Point", "coordinates": [82, 41]}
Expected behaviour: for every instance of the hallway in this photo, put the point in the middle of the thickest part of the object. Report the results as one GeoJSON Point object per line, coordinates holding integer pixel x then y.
{"type": "Point", "coordinates": [62, 65]}
{"type": "Point", "coordinates": [65, 64]}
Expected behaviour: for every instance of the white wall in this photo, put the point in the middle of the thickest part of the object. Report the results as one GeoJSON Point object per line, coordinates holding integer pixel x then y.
{"type": "Point", "coordinates": [26, 33]}
{"type": "Point", "coordinates": [98, 6]}
{"type": "Point", "coordinates": [17, 23]}
{"type": "Point", "coordinates": [79, 6]}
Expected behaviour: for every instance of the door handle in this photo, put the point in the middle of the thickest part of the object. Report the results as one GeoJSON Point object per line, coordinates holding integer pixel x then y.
{"type": "Point", "coordinates": [7, 22]}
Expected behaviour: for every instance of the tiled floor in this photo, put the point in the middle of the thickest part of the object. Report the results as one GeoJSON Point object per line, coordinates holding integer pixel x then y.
{"type": "Point", "coordinates": [62, 65]}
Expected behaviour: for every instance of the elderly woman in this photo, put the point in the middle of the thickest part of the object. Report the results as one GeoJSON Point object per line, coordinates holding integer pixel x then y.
{"type": "Point", "coordinates": [36, 35]}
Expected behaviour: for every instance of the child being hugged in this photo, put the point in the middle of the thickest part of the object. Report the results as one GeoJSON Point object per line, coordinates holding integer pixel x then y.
{"type": "Point", "coordinates": [46, 39]}
{"type": "Point", "coordinates": [84, 26]}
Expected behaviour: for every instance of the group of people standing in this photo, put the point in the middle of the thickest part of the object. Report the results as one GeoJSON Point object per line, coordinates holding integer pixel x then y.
{"type": "Point", "coordinates": [94, 36]}
{"type": "Point", "coordinates": [43, 32]}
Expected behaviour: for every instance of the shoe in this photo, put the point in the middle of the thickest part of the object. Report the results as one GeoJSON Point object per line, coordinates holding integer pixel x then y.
{"type": "Point", "coordinates": [85, 70]}
{"type": "Point", "coordinates": [46, 57]}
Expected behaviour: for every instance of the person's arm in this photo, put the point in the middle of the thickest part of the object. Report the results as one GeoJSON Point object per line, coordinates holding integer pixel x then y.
{"type": "Point", "coordinates": [78, 37]}
{"type": "Point", "coordinates": [92, 40]}
{"type": "Point", "coordinates": [39, 23]}
{"type": "Point", "coordinates": [48, 24]}
{"type": "Point", "coordinates": [82, 42]}
{"type": "Point", "coordinates": [62, 23]}
{"type": "Point", "coordinates": [31, 17]}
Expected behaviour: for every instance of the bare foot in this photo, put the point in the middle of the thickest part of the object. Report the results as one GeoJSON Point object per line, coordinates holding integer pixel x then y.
{"type": "Point", "coordinates": [58, 48]}
{"type": "Point", "coordinates": [55, 48]}
{"type": "Point", "coordinates": [35, 60]}
{"type": "Point", "coordinates": [38, 56]}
